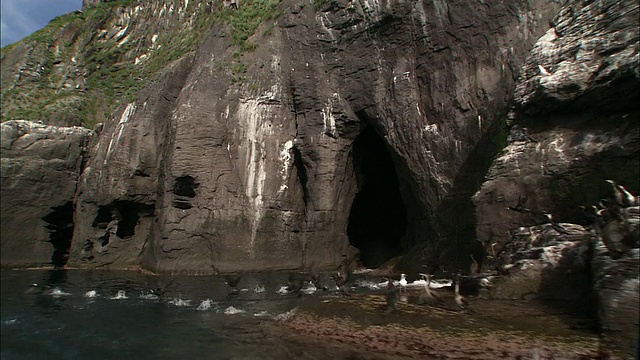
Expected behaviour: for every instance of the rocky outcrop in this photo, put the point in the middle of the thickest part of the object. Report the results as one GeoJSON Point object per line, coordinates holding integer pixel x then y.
{"type": "Point", "coordinates": [40, 168]}
{"type": "Point", "coordinates": [617, 286]}
{"type": "Point", "coordinates": [539, 262]}
{"type": "Point", "coordinates": [342, 122]}
{"type": "Point", "coordinates": [574, 127]}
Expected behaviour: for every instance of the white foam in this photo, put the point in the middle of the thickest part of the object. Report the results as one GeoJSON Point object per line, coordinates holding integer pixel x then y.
{"type": "Point", "coordinates": [369, 284]}
{"type": "Point", "coordinates": [362, 271]}
{"type": "Point", "coordinates": [309, 289]}
{"type": "Point", "coordinates": [283, 290]}
{"type": "Point", "coordinates": [10, 321]}
{"type": "Point", "coordinates": [231, 311]}
{"type": "Point", "coordinates": [180, 302]}
{"type": "Point", "coordinates": [287, 315]}
{"type": "Point", "coordinates": [91, 294]}
{"type": "Point", "coordinates": [120, 295]}
{"type": "Point", "coordinates": [261, 314]}
{"type": "Point", "coordinates": [57, 292]}
{"type": "Point", "coordinates": [258, 289]}
{"type": "Point", "coordinates": [205, 305]}
{"type": "Point", "coordinates": [149, 296]}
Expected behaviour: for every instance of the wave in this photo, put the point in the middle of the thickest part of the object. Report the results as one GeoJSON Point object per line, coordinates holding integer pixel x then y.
{"type": "Point", "coordinates": [148, 296]}
{"type": "Point", "coordinates": [180, 302]}
{"type": "Point", "coordinates": [57, 292]}
{"type": "Point", "coordinates": [205, 305]}
{"type": "Point", "coordinates": [120, 295]}
{"type": "Point", "coordinates": [91, 294]}
{"type": "Point", "coordinates": [231, 311]}
{"type": "Point", "coordinates": [287, 315]}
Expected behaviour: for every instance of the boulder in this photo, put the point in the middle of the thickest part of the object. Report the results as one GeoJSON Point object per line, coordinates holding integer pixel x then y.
{"type": "Point", "coordinates": [40, 169]}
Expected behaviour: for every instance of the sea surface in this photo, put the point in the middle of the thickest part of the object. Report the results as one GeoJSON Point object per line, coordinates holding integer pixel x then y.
{"type": "Point", "coordinates": [100, 314]}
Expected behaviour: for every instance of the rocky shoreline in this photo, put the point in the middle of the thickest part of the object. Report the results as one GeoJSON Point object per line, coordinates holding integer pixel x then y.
{"type": "Point", "coordinates": [359, 329]}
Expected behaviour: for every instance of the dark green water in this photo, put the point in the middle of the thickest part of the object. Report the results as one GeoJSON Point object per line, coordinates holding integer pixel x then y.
{"type": "Point", "coordinates": [195, 320]}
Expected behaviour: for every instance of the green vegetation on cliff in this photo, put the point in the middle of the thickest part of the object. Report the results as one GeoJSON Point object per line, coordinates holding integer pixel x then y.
{"type": "Point", "coordinates": [82, 65]}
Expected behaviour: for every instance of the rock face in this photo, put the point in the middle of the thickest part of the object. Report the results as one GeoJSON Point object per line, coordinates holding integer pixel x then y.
{"type": "Point", "coordinates": [539, 262]}
{"type": "Point", "coordinates": [574, 126]}
{"type": "Point", "coordinates": [40, 169]}
{"type": "Point", "coordinates": [348, 125]}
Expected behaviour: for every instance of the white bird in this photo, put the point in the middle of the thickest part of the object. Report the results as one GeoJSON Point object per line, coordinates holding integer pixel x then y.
{"type": "Point", "coordinates": [543, 71]}
{"type": "Point", "coordinates": [403, 281]}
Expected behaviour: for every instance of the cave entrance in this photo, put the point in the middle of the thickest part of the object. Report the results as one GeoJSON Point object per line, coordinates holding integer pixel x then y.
{"type": "Point", "coordinates": [60, 225]}
{"type": "Point", "coordinates": [120, 219]}
{"type": "Point", "coordinates": [378, 217]}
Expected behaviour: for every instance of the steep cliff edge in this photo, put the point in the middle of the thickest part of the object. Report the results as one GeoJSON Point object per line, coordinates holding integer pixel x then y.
{"type": "Point", "coordinates": [343, 121]}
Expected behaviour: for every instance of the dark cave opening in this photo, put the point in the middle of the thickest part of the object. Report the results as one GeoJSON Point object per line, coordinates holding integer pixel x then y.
{"type": "Point", "coordinates": [184, 188]}
{"type": "Point", "coordinates": [378, 217]}
{"type": "Point", "coordinates": [60, 226]}
{"type": "Point", "coordinates": [120, 219]}
{"type": "Point", "coordinates": [302, 174]}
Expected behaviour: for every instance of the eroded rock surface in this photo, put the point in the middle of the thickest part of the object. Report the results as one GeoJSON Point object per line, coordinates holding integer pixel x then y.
{"type": "Point", "coordinates": [259, 168]}
{"type": "Point", "coordinates": [539, 262]}
{"type": "Point", "coordinates": [40, 169]}
{"type": "Point", "coordinates": [575, 126]}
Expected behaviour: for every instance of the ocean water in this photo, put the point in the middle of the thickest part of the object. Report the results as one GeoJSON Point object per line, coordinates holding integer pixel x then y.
{"type": "Point", "coordinates": [79, 314]}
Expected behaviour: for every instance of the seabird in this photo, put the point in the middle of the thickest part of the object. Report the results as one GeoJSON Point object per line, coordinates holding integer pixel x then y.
{"type": "Point", "coordinates": [623, 197]}
{"type": "Point", "coordinates": [315, 280]}
{"type": "Point", "coordinates": [557, 227]}
{"type": "Point", "coordinates": [543, 71]}
{"type": "Point", "coordinates": [342, 275]}
{"type": "Point", "coordinates": [233, 280]}
{"type": "Point", "coordinates": [37, 289]}
{"type": "Point", "coordinates": [460, 300]}
{"type": "Point", "coordinates": [340, 281]}
{"type": "Point", "coordinates": [159, 291]}
{"type": "Point", "coordinates": [628, 198]}
{"type": "Point", "coordinates": [430, 297]}
{"type": "Point", "coordinates": [522, 200]}
{"type": "Point", "coordinates": [555, 29]}
{"type": "Point", "coordinates": [475, 267]}
{"type": "Point", "coordinates": [295, 286]}
{"type": "Point", "coordinates": [403, 282]}
{"type": "Point", "coordinates": [392, 296]}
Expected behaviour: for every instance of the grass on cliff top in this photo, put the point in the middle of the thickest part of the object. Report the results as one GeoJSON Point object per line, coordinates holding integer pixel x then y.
{"type": "Point", "coordinates": [110, 75]}
{"type": "Point", "coordinates": [245, 20]}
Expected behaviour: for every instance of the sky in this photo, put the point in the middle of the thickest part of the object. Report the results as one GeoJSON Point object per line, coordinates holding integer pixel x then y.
{"type": "Point", "coordinates": [21, 18]}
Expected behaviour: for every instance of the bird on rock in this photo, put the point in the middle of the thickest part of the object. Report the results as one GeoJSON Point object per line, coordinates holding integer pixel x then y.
{"type": "Point", "coordinates": [429, 296]}
{"type": "Point", "coordinates": [391, 296]}
{"type": "Point", "coordinates": [403, 282]}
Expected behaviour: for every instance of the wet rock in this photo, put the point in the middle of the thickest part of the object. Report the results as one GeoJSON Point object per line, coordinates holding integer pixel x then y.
{"type": "Point", "coordinates": [539, 262]}
{"type": "Point", "coordinates": [572, 130]}
{"type": "Point", "coordinates": [587, 59]}
{"type": "Point", "coordinates": [616, 280]}
{"type": "Point", "coordinates": [565, 144]}
{"type": "Point", "coordinates": [40, 169]}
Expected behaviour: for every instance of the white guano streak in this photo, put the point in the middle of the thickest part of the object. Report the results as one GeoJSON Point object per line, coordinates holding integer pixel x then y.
{"type": "Point", "coordinates": [285, 159]}
{"type": "Point", "coordinates": [251, 113]}
{"type": "Point", "coordinates": [124, 120]}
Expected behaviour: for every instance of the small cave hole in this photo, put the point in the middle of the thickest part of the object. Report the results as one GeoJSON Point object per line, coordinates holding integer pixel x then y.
{"type": "Point", "coordinates": [378, 217]}
{"type": "Point", "coordinates": [302, 173]}
{"type": "Point", "coordinates": [120, 219]}
{"type": "Point", "coordinates": [185, 186]}
{"type": "Point", "coordinates": [60, 225]}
